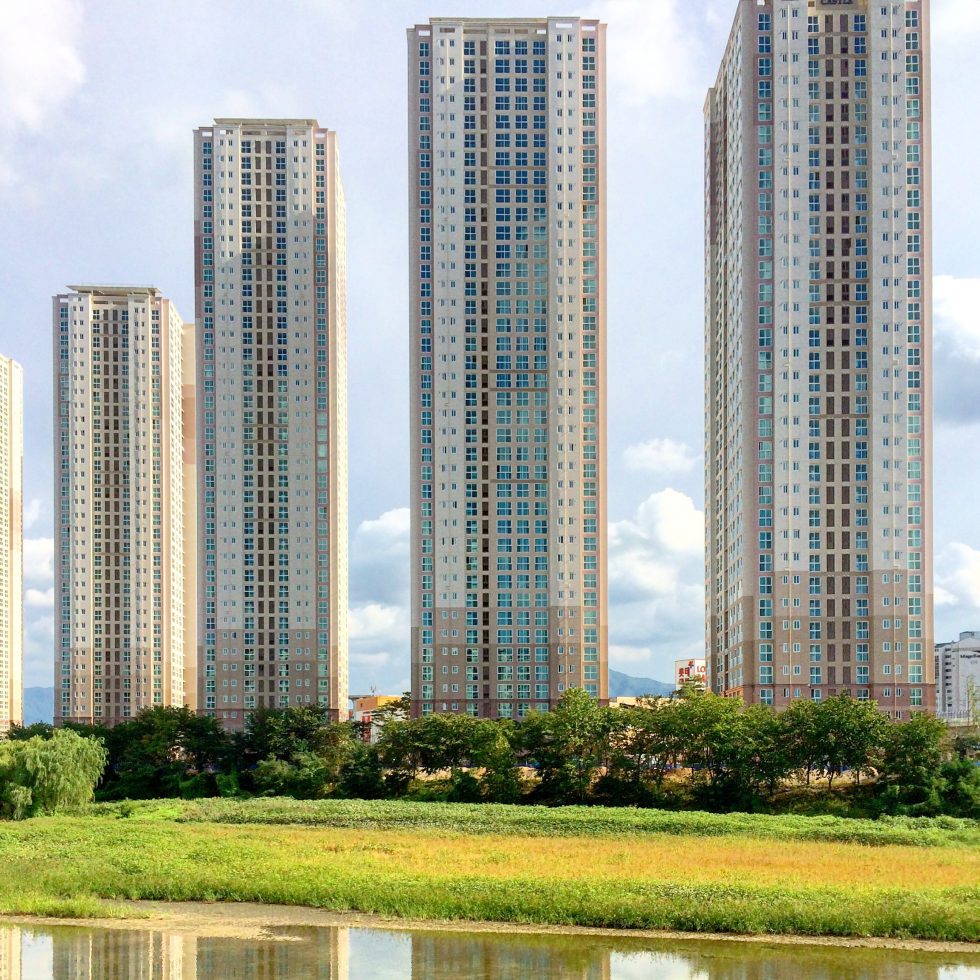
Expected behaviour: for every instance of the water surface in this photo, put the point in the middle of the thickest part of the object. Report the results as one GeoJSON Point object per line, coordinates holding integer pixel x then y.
{"type": "Point", "coordinates": [298, 952]}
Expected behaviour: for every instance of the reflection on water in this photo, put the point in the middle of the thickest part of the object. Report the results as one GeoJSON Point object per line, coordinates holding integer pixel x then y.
{"type": "Point", "coordinates": [341, 953]}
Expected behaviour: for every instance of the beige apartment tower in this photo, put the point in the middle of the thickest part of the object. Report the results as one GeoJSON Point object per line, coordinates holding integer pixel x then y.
{"type": "Point", "coordinates": [11, 544]}
{"type": "Point", "coordinates": [122, 631]}
{"type": "Point", "coordinates": [270, 245]}
{"type": "Point", "coordinates": [818, 376]}
{"type": "Point", "coordinates": [507, 221]}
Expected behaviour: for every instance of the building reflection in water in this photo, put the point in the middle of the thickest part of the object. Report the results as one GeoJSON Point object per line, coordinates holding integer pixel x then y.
{"type": "Point", "coordinates": [125, 954]}
{"type": "Point", "coordinates": [10, 954]}
{"type": "Point", "coordinates": [339, 953]}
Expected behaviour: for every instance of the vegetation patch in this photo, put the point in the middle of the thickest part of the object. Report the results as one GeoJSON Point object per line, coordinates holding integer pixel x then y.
{"type": "Point", "coordinates": [572, 821]}
{"type": "Point", "coordinates": [715, 876]}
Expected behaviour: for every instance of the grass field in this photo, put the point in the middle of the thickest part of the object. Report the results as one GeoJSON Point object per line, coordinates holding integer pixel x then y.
{"type": "Point", "coordinates": [574, 866]}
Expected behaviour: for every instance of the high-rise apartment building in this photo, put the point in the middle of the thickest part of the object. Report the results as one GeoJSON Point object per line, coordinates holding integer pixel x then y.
{"type": "Point", "coordinates": [818, 355]}
{"type": "Point", "coordinates": [272, 417]}
{"type": "Point", "coordinates": [11, 544]}
{"type": "Point", "coordinates": [507, 154]}
{"type": "Point", "coordinates": [188, 403]}
{"type": "Point", "coordinates": [122, 632]}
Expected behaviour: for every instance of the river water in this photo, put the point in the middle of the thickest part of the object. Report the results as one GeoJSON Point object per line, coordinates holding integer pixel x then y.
{"type": "Point", "coordinates": [340, 952]}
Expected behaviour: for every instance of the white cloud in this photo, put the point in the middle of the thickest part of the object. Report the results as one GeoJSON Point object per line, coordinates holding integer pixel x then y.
{"type": "Point", "coordinates": [667, 521]}
{"type": "Point", "coordinates": [958, 578]}
{"type": "Point", "coordinates": [38, 603]}
{"type": "Point", "coordinates": [379, 645]}
{"type": "Point", "coordinates": [626, 656]}
{"type": "Point", "coordinates": [379, 614]}
{"type": "Point", "coordinates": [652, 53]}
{"type": "Point", "coordinates": [957, 314]}
{"type": "Point", "coordinates": [392, 524]}
{"type": "Point", "coordinates": [40, 67]}
{"type": "Point", "coordinates": [31, 513]}
{"type": "Point", "coordinates": [380, 559]}
{"type": "Point", "coordinates": [656, 596]}
{"type": "Point", "coordinates": [956, 303]}
{"type": "Point", "coordinates": [660, 456]}
{"type": "Point", "coordinates": [39, 598]}
{"type": "Point", "coordinates": [373, 621]}
{"type": "Point", "coordinates": [174, 120]}
{"type": "Point", "coordinates": [39, 561]}
{"type": "Point", "coordinates": [955, 20]}
{"type": "Point", "coordinates": [38, 651]}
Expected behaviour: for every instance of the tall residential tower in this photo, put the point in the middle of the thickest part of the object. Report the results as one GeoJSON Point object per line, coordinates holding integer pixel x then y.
{"type": "Point", "coordinates": [11, 544]}
{"type": "Point", "coordinates": [507, 155]}
{"type": "Point", "coordinates": [818, 417]}
{"type": "Point", "coordinates": [272, 417]}
{"type": "Point", "coordinates": [122, 633]}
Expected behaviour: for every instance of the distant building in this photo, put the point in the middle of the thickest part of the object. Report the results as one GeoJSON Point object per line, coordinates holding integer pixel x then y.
{"type": "Point", "coordinates": [623, 702]}
{"type": "Point", "coordinates": [122, 633]}
{"type": "Point", "coordinates": [11, 544]}
{"type": "Point", "coordinates": [689, 671]}
{"type": "Point", "coordinates": [365, 713]}
{"type": "Point", "coordinates": [958, 678]}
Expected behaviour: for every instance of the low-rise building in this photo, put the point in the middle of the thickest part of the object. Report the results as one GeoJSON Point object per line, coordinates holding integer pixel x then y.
{"type": "Point", "coordinates": [365, 712]}
{"type": "Point", "coordinates": [958, 678]}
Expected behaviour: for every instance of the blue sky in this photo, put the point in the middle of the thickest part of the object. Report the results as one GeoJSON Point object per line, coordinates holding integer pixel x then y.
{"type": "Point", "coordinates": [97, 104]}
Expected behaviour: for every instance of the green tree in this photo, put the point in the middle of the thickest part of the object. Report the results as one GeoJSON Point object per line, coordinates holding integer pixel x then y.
{"type": "Point", "coordinates": [21, 733]}
{"type": "Point", "coordinates": [802, 740]}
{"type": "Point", "coordinates": [48, 775]}
{"type": "Point", "coordinates": [909, 773]}
{"type": "Point", "coordinates": [643, 747]}
{"type": "Point", "coordinates": [165, 751]}
{"type": "Point", "coordinates": [851, 733]}
{"type": "Point", "coordinates": [960, 790]}
{"type": "Point", "coordinates": [400, 752]}
{"type": "Point", "coordinates": [279, 733]}
{"type": "Point", "coordinates": [306, 776]}
{"type": "Point", "coordinates": [709, 727]}
{"type": "Point", "coordinates": [362, 774]}
{"type": "Point", "coordinates": [568, 745]}
{"type": "Point", "coordinates": [766, 760]}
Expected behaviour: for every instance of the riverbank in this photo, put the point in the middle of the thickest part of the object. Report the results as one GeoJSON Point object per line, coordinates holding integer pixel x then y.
{"type": "Point", "coordinates": [734, 878]}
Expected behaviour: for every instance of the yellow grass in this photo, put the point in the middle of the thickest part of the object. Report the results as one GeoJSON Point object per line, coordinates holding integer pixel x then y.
{"type": "Point", "coordinates": [677, 859]}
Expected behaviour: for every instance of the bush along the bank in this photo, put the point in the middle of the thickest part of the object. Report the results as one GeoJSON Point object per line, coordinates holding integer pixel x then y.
{"type": "Point", "coordinates": [841, 756]}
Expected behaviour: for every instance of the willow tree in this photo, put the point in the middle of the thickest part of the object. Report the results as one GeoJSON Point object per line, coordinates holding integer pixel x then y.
{"type": "Point", "coordinates": [49, 775]}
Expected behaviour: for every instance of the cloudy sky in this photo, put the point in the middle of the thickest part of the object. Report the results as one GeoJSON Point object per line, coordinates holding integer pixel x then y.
{"type": "Point", "coordinates": [98, 99]}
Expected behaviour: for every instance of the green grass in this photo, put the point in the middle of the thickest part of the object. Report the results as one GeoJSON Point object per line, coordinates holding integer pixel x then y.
{"type": "Point", "coordinates": [574, 821]}
{"type": "Point", "coordinates": [583, 866]}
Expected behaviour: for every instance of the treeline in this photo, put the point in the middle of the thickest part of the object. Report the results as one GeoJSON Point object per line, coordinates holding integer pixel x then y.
{"type": "Point", "coordinates": [697, 751]}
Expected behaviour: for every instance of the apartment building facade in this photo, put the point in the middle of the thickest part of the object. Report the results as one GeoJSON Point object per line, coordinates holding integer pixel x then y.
{"type": "Point", "coordinates": [11, 544]}
{"type": "Point", "coordinates": [818, 456]}
{"type": "Point", "coordinates": [270, 246]}
{"type": "Point", "coordinates": [122, 631]}
{"type": "Point", "coordinates": [507, 223]}
{"type": "Point", "coordinates": [958, 678]}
